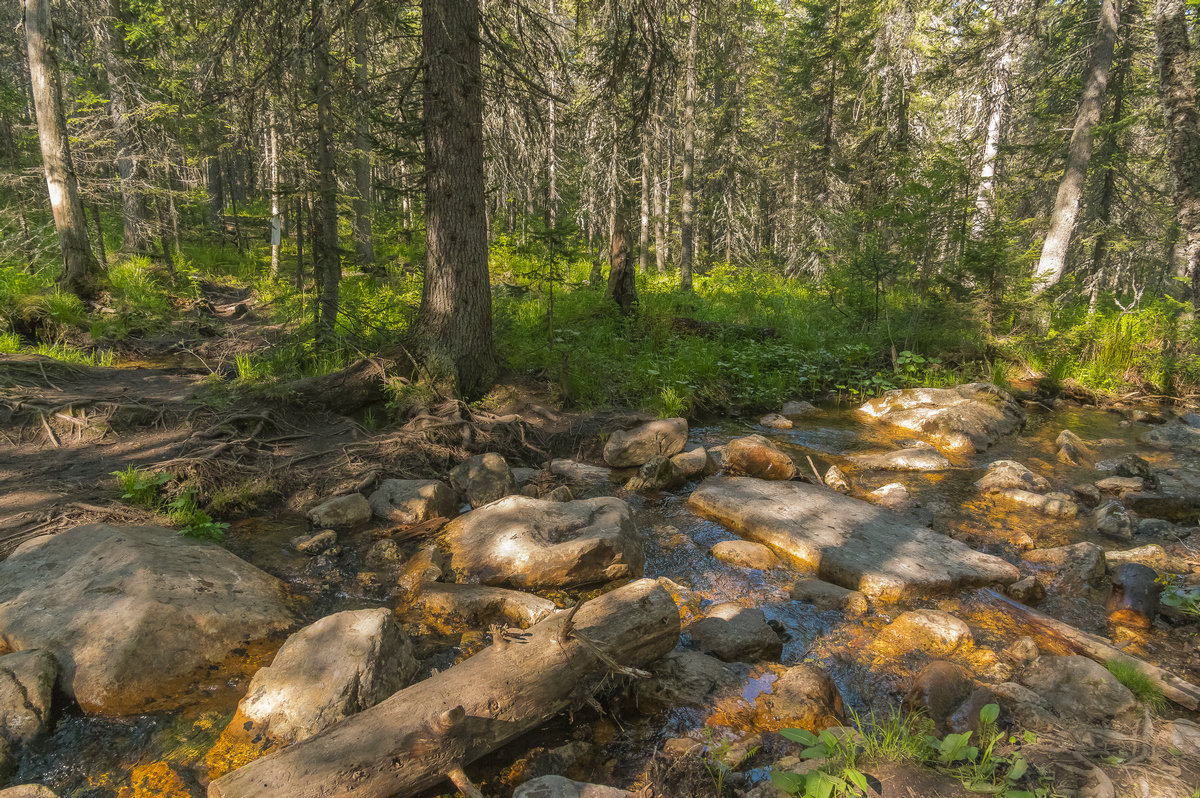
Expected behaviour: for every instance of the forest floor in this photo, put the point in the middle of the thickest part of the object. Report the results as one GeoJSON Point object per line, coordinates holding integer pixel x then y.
{"type": "Point", "coordinates": [66, 428]}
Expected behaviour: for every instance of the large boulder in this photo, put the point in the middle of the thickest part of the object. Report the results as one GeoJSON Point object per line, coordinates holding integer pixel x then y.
{"type": "Point", "coordinates": [628, 448]}
{"type": "Point", "coordinates": [327, 671]}
{"type": "Point", "coordinates": [804, 697]}
{"type": "Point", "coordinates": [918, 458]}
{"type": "Point", "coordinates": [412, 501]}
{"type": "Point", "coordinates": [1078, 688]}
{"type": "Point", "coordinates": [26, 687]}
{"type": "Point", "coordinates": [656, 474]}
{"type": "Point", "coordinates": [932, 632]}
{"type": "Point", "coordinates": [694, 462]}
{"type": "Point", "coordinates": [134, 614]}
{"type": "Point", "coordinates": [688, 679]}
{"type": "Point", "coordinates": [756, 456]}
{"type": "Point", "coordinates": [1113, 521]}
{"type": "Point", "coordinates": [846, 541]}
{"type": "Point", "coordinates": [965, 419]}
{"type": "Point", "coordinates": [945, 693]}
{"type": "Point", "coordinates": [581, 476]}
{"type": "Point", "coordinates": [533, 543]}
{"type": "Point", "coordinates": [483, 479]}
{"type": "Point", "coordinates": [1055, 505]}
{"type": "Point", "coordinates": [1178, 437]}
{"type": "Point", "coordinates": [735, 633]}
{"type": "Point", "coordinates": [478, 606]}
{"type": "Point", "coordinates": [1175, 496]}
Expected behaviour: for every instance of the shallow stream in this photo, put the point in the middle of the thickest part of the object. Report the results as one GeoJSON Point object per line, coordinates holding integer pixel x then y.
{"type": "Point", "coordinates": [168, 754]}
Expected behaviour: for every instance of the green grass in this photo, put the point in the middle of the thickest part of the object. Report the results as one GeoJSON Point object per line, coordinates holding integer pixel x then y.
{"type": "Point", "coordinates": [1142, 686]}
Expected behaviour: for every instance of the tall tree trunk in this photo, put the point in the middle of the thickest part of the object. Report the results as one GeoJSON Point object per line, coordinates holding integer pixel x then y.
{"type": "Point", "coordinates": [130, 170]}
{"type": "Point", "coordinates": [687, 243]}
{"type": "Point", "coordinates": [660, 244]}
{"type": "Point", "coordinates": [216, 194]}
{"type": "Point", "coordinates": [456, 301]}
{"type": "Point", "coordinates": [552, 144]}
{"type": "Point", "coordinates": [1176, 76]}
{"type": "Point", "coordinates": [1108, 153]}
{"type": "Point", "coordinates": [1009, 18]}
{"type": "Point", "coordinates": [363, 235]}
{"type": "Point", "coordinates": [80, 269]}
{"type": "Point", "coordinates": [273, 167]}
{"type": "Point", "coordinates": [1053, 262]}
{"type": "Point", "coordinates": [327, 262]}
{"type": "Point", "coordinates": [644, 230]}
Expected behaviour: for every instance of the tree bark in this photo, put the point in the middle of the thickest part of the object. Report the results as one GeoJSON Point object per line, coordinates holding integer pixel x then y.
{"type": "Point", "coordinates": [415, 739]}
{"type": "Point", "coordinates": [622, 282]}
{"type": "Point", "coordinates": [80, 269]}
{"type": "Point", "coordinates": [363, 235]}
{"type": "Point", "coordinates": [1176, 85]}
{"type": "Point", "coordinates": [1053, 262]}
{"type": "Point", "coordinates": [687, 243]}
{"type": "Point", "coordinates": [276, 220]}
{"type": "Point", "coordinates": [1009, 20]}
{"type": "Point", "coordinates": [455, 317]}
{"type": "Point", "coordinates": [644, 230]}
{"type": "Point", "coordinates": [111, 41]}
{"type": "Point", "coordinates": [327, 261]}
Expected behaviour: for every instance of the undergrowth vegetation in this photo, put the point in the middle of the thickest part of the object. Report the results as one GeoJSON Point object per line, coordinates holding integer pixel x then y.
{"type": "Point", "coordinates": [746, 339]}
{"type": "Point", "coordinates": [154, 490]}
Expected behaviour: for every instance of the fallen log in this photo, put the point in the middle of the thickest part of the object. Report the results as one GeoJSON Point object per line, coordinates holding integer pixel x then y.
{"type": "Point", "coordinates": [427, 732]}
{"type": "Point", "coordinates": [1055, 632]}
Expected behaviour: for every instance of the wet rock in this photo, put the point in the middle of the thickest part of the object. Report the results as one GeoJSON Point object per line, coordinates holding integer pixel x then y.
{"type": "Point", "coordinates": [694, 463]}
{"type": "Point", "coordinates": [1180, 735]}
{"type": "Point", "coordinates": [682, 747]}
{"type": "Point", "coordinates": [846, 541]}
{"type": "Point", "coordinates": [1021, 541]}
{"type": "Point", "coordinates": [1174, 436]}
{"type": "Point", "coordinates": [1156, 527]}
{"type": "Point", "coordinates": [1152, 555]}
{"type": "Point", "coordinates": [795, 408]}
{"type": "Point", "coordinates": [964, 419]}
{"type": "Point", "coordinates": [427, 564]}
{"type": "Point", "coordinates": [478, 607]}
{"type": "Point", "coordinates": [320, 543]}
{"type": "Point", "coordinates": [1022, 651]}
{"type": "Point", "coordinates": [560, 494]}
{"type": "Point", "coordinates": [828, 596]}
{"type": "Point", "coordinates": [1078, 688]}
{"type": "Point", "coordinates": [735, 633]}
{"type": "Point", "coordinates": [755, 456]}
{"type": "Point", "coordinates": [583, 479]}
{"type": "Point", "coordinates": [1142, 416]}
{"type": "Point", "coordinates": [384, 553]}
{"type": "Point", "coordinates": [1068, 570]}
{"type": "Point", "coordinates": [946, 694]}
{"type": "Point", "coordinates": [8, 761]}
{"type": "Point", "coordinates": [327, 671]}
{"type": "Point", "coordinates": [1175, 498]}
{"type": "Point", "coordinates": [1028, 591]}
{"type": "Point", "coordinates": [341, 511]}
{"type": "Point", "coordinates": [774, 421]}
{"type": "Point", "coordinates": [893, 496]}
{"type": "Point", "coordinates": [922, 458]}
{"type": "Point", "coordinates": [1191, 419]}
{"type": "Point", "coordinates": [688, 679]}
{"type": "Point", "coordinates": [560, 787]}
{"type": "Point", "coordinates": [27, 791]}
{"type": "Point", "coordinates": [1119, 486]}
{"type": "Point", "coordinates": [1072, 450]}
{"type": "Point", "coordinates": [1088, 495]}
{"type": "Point", "coordinates": [1009, 474]}
{"type": "Point", "coordinates": [1054, 505]}
{"type": "Point", "coordinates": [531, 543]}
{"type": "Point", "coordinates": [413, 501]}
{"type": "Point", "coordinates": [483, 479]}
{"type": "Point", "coordinates": [804, 697]}
{"type": "Point", "coordinates": [26, 684]}
{"type": "Point", "coordinates": [138, 611]}
{"type": "Point", "coordinates": [1137, 467]}
{"type": "Point", "coordinates": [1113, 521]}
{"type": "Point", "coordinates": [745, 554]}
{"type": "Point", "coordinates": [932, 632]}
{"type": "Point", "coordinates": [1135, 596]}
{"type": "Point", "coordinates": [661, 438]}
{"type": "Point", "coordinates": [836, 479]}
{"type": "Point", "coordinates": [657, 474]}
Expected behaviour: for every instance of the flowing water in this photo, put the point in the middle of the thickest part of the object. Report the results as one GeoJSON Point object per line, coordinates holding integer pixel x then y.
{"type": "Point", "coordinates": [169, 754]}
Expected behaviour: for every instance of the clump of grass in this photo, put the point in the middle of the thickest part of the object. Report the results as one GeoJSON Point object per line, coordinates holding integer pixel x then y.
{"type": "Point", "coordinates": [145, 488]}
{"type": "Point", "coordinates": [1142, 686]}
{"type": "Point", "coordinates": [141, 487]}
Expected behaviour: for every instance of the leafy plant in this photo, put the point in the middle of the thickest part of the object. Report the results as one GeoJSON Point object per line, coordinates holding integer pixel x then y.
{"type": "Point", "coordinates": [1184, 599]}
{"type": "Point", "coordinates": [141, 487]}
{"type": "Point", "coordinates": [193, 521]}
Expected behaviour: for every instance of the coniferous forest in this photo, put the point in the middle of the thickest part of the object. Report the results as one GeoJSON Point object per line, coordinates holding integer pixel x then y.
{"type": "Point", "coordinates": [471, 311]}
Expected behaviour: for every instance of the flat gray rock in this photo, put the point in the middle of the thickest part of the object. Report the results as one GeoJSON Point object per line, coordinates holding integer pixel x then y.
{"type": "Point", "coordinates": [134, 614]}
{"type": "Point", "coordinates": [920, 458]}
{"type": "Point", "coordinates": [848, 542]}
{"type": "Point", "coordinates": [964, 419]}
